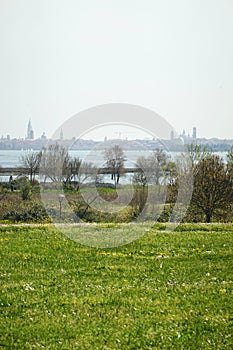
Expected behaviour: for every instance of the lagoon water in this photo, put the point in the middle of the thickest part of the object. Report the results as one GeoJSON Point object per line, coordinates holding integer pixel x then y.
{"type": "Point", "coordinates": [11, 158]}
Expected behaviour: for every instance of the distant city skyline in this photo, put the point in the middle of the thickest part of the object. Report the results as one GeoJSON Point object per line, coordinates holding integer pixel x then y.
{"type": "Point", "coordinates": [108, 132]}
{"type": "Point", "coordinates": [172, 57]}
{"type": "Point", "coordinates": [49, 132]}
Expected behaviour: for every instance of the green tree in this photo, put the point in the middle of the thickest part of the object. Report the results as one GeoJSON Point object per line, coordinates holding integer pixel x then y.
{"type": "Point", "coordinates": [26, 189]}
{"type": "Point", "coordinates": [230, 163]}
{"type": "Point", "coordinates": [212, 188]}
{"type": "Point", "coordinates": [140, 192]}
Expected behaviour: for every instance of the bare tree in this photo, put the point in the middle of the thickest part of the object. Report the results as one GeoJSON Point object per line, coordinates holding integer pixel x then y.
{"type": "Point", "coordinates": [153, 166]}
{"type": "Point", "coordinates": [86, 171]}
{"type": "Point", "coordinates": [115, 158]}
{"type": "Point", "coordinates": [31, 163]}
{"type": "Point", "coordinates": [54, 162]}
{"type": "Point", "coordinates": [71, 170]}
{"type": "Point", "coordinates": [58, 166]}
{"type": "Point", "coordinates": [197, 153]}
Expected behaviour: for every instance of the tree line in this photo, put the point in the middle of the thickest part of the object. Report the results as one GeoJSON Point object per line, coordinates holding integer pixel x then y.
{"type": "Point", "coordinates": [212, 180]}
{"type": "Point", "coordinates": [56, 165]}
{"type": "Point", "coordinates": [212, 194]}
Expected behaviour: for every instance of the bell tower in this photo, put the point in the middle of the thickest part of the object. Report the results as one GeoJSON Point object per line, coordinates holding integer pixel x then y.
{"type": "Point", "coordinates": [30, 132]}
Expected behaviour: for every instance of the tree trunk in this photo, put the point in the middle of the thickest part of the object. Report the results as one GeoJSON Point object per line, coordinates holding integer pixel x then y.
{"type": "Point", "coordinates": [118, 177]}
{"type": "Point", "coordinates": [208, 216]}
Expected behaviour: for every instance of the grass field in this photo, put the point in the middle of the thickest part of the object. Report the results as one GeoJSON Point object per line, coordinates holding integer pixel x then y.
{"type": "Point", "coordinates": [167, 290]}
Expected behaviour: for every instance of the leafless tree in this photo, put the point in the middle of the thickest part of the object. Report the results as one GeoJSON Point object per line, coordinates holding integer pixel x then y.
{"type": "Point", "coordinates": [54, 162]}
{"type": "Point", "coordinates": [31, 163]}
{"type": "Point", "coordinates": [115, 158]}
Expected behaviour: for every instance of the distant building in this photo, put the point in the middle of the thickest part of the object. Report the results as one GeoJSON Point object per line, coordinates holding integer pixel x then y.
{"type": "Point", "coordinates": [194, 133]}
{"type": "Point", "coordinates": [61, 135]}
{"type": "Point", "coordinates": [187, 138]}
{"type": "Point", "coordinates": [43, 136]}
{"type": "Point", "coordinates": [30, 132]}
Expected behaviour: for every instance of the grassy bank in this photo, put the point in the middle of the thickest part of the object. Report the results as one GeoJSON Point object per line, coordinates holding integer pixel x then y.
{"type": "Point", "coordinates": [167, 290]}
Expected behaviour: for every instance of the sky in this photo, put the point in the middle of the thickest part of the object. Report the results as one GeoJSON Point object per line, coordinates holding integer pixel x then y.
{"type": "Point", "coordinates": [60, 57]}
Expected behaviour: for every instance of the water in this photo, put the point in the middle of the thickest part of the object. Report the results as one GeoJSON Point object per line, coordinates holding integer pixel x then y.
{"type": "Point", "coordinates": [11, 159]}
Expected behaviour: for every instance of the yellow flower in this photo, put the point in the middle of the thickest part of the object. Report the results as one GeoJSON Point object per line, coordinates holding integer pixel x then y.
{"type": "Point", "coordinates": [223, 290]}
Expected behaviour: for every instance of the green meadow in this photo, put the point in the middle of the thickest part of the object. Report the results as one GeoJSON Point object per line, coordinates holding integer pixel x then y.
{"type": "Point", "coordinates": [166, 290]}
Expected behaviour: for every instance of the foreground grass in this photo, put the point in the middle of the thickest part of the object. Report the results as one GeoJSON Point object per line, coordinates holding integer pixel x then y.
{"type": "Point", "coordinates": [167, 290]}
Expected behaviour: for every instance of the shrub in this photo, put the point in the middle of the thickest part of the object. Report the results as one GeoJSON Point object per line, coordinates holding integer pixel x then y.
{"type": "Point", "coordinates": [26, 212]}
{"type": "Point", "coordinates": [26, 191]}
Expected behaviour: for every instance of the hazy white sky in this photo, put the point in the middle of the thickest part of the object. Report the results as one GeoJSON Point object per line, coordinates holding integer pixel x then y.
{"type": "Point", "coordinates": [58, 57]}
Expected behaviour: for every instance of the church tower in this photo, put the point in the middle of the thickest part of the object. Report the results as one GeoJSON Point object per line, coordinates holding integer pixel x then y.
{"type": "Point", "coordinates": [30, 132]}
{"type": "Point", "coordinates": [194, 133]}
